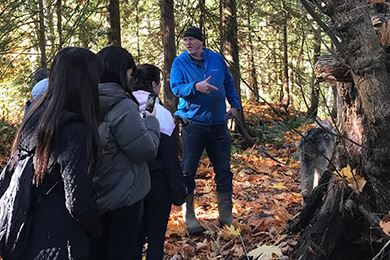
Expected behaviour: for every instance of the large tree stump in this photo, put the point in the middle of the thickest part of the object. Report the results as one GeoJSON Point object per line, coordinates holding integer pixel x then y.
{"type": "Point", "coordinates": [342, 224]}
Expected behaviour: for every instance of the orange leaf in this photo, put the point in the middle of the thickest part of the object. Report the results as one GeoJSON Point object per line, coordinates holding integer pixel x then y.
{"type": "Point", "coordinates": [385, 227]}
{"type": "Point", "coordinates": [187, 250]}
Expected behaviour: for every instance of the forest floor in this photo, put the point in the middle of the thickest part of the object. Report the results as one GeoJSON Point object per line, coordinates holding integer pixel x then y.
{"type": "Point", "coordinates": [266, 198]}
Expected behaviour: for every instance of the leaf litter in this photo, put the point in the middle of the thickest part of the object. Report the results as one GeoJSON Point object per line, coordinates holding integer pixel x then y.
{"type": "Point", "coordinates": [266, 197]}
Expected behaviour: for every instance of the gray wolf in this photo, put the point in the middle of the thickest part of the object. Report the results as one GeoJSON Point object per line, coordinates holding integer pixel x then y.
{"type": "Point", "coordinates": [315, 152]}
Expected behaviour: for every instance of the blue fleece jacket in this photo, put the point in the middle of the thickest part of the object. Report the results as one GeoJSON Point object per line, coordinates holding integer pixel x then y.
{"type": "Point", "coordinates": [205, 109]}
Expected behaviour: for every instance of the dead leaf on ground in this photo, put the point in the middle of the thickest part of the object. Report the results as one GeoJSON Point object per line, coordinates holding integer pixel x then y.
{"type": "Point", "coordinates": [229, 232]}
{"type": "Point", "coordinates": [265, 252]}
{"type": "Point", "coordinates": [385, 227]}
{"type": "Point", "coordinates": [176, 257]}
{"type": "Point", "coordinates": [354, 181]}
{"type": "Point", "coordinates": [187, 251]}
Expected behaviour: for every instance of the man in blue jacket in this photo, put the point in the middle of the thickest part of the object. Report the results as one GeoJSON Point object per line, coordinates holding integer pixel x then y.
{"type": "Point", "coordinates": [201, 79]}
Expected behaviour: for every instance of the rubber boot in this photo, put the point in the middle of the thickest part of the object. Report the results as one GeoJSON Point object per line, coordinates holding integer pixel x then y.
{"type": "Point", "coordinates": [192, 223]}
{"type": "Point", "coordinates": [225, 206]}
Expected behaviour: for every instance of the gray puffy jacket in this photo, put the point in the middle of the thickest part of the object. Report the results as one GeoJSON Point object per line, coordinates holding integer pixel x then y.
{"type": "Point", "coordinates": [129, 141]}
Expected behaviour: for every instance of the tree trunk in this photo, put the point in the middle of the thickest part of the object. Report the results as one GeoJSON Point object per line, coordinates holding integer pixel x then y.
{"type": "Point", "coordinates": [59, 24]}
{"type": "Point", "coordinates": [315, 86]}
{"type": "Point", "coordinates": [42, 36]}
{"type": "Point", "coordinates": [229, 48]}
{"type": "Point", "coordinates": [136, 3]}
{"type": "Point", "coordinates": [168, 26]}
{"type": "Point", "coordinates": [202, 19]}
{"type": "Point", "coordinates": [365, 56]}
{"type": "Point", "coordinates": [229, 43]}
{"type": "Point", "coordinates": [285, 101]}
{"type": "Point", "coordinates": [254, 91]}
{"type": "Point", "coordinates": [340, 226]}
{"type": "Point", "coordinates": [114, 33]}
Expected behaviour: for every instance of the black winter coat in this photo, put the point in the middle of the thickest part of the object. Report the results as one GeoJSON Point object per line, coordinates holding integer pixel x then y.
{"type": "Point", "coordinates": [167, 163]}
{"type": "Point", "coordinates": [65, 213]}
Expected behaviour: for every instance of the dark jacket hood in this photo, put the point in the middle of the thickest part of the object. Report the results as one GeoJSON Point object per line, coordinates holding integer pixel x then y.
{"type": "Point", "coordinates": [29, 136]}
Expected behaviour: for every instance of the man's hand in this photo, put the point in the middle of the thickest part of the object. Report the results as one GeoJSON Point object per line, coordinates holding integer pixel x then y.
{"type": "Point", "coordinates": [232, 112]}
{"type": "Point", "coordinates": [204, 86]}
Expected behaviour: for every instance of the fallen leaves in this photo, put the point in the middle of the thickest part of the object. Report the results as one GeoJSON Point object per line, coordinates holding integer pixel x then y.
{"type": "Point", "coordinates": [385, 224]}
{"type": "Point", "coordinates": [229, 232]}
{"type": "Point", "coordinates": [354, 181]}
{"type": "Point", "coordinates": [265, 197]}
{"type": "Point", "coordinates": [265, 252]}
{"type": "Point", "coordinates": [187, 250]}
{"type": "Point", "coordinates": [385, 227]}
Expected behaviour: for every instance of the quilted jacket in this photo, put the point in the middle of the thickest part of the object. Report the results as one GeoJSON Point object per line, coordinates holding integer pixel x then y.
{"type": "Point", "coordinates": [65, 213]}
{"type": "Point", "coordinates": [129, 141]}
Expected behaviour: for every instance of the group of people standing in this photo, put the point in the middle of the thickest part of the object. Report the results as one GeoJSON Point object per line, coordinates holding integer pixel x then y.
{"type": "Point", "coordinates": [106, 169]}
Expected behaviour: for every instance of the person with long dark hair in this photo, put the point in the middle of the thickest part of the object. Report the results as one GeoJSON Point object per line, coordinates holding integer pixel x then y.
{"type": "Point", "coordinates": [61, 129]}
{"type": "Point", "coordinates": [165, 170]}
{"type": "Point", "coordinates": [129, 141]}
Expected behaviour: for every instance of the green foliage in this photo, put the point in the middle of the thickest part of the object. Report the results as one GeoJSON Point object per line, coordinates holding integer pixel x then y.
{"type": "Point", "coordinates": [84, 23]}
{"type": "Point", "coordinates": [262, 132]}
{"type": "Point", "coordinates": [8, 132]}
{"type": "Point", "coordinates": [15, 90]}
{"type": "Point", "coordinates": [295, 156]}
{"type": "Point", "coordinates": [141, 31]}
{"type": "Point", "coordinates": [294, 122]}
{"type": "Point", "coordinates": [19, 40]}
{"type": "Point", "coordinates": [236, 145]}
{"type": "Point", "coordinates": [274, 132]}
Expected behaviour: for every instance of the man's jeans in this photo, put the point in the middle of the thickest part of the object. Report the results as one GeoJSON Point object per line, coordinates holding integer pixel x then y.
{"type": "Point", "coordinates": [216, 141]}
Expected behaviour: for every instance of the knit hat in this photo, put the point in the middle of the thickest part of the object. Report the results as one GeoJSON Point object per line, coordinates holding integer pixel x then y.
{"type": "Point", "coordinates": [40, 75]}
{"type": "Point", "coordinates": [194, 32]}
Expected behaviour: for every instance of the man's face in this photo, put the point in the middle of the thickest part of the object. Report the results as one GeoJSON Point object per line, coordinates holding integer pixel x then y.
{"type": "Point", "coordinates": [193, 46]}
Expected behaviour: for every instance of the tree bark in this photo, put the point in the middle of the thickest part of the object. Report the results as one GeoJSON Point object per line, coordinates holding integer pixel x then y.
{"type": "Point", "coordinates": [59, 24]}
{"type": "Point", "coordinates": [114, 32]}
{"type": "Point", "coordinates": [364, 144]}
{"type": "Point", "coordinates": [42, 36]}
{"type": "Point", "coordinates": [254, 91]}
{"type": "Point", "coordinates": [365, 57]}
{"type": "Point", "coordinates": [329, 68]}
{"type": "Point", "coordinates": [50, 32]}
{"type": "Point", "coordinates": [229, 43]}
{"type": "Point", "coordinates": [285, 96]}
{"type": "Point", "coordinates": [168, 26]}
{"type": "Point", "coordinates": [229, 48]}
{"type": "Point", "coordinates": [315, 87]}
{"type": "Point", "coordinates": [136, 3]}
{"type": "Point", "coordinates": [202, 20]}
